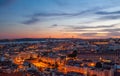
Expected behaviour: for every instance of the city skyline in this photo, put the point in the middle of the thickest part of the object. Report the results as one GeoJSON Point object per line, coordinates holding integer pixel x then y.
{"type": "Point", "coordinates": [59, 19]}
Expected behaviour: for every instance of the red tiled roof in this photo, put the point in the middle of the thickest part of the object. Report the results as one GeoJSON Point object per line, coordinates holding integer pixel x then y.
{"type": "Point", "coordinates": [12, 74]}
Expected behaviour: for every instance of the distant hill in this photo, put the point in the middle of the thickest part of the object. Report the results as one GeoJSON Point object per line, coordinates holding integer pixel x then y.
{"type": "Point", "coordinates": [32, 39]}
{"type": "Point", "coordinates": [22, 39]}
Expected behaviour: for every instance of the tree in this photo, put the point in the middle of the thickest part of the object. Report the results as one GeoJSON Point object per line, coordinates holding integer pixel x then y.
{"type": "Point", "coordinates": [74, 54]}
{"type": "Point", "coordinates": [98, 65]}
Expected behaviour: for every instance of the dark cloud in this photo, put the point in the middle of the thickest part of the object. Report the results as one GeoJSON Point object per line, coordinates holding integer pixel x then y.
{"type": "Point", "coordinates": [94, 35]}
{"type": "Point", "coordinates": [107, 13]}
{"type": "Point", "coordinates": [115, 34]}
{"type": "Point", "coordinates": [110, 17]}
{"type": "Point", "coordinates": [45, 15]}
{"type": "Point", "coordinates": [31, 21]}
{"type": "Point", "coordinates": [112, 30]}
{"type": "Point", "coordinates": [88, 34]}
{"type": "Point", "coordinates": [103, 35]}
{"type": "Point", "coordinates": [51, 14]}
{"type": "Point", "coordinates": [64, 14]}
{"type": "Point", "coordinates": [87, 22]}
{"type": "Point", "coordinates": [86, 27]}
{"type": "Point", "coordinates": [54, 25]}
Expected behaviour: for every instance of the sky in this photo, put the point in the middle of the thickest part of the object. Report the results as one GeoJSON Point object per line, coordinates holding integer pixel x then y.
{"type": "Point", "coordinates": [59, 19]}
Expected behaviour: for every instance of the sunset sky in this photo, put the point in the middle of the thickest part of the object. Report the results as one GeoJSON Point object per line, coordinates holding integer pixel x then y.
{"type": "Point", "coordinates": [59, 18]}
